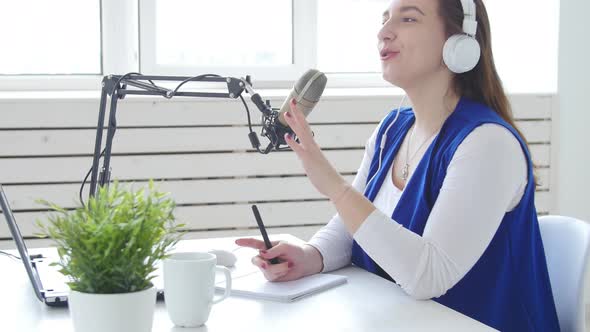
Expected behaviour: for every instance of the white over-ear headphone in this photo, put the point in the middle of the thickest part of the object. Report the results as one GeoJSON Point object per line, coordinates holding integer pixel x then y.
{"type": "Point", "coordinates": [461, 51]}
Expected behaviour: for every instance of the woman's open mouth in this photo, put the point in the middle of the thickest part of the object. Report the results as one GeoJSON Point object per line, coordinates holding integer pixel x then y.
{"type": "Point", "coordinates": [387, 55]}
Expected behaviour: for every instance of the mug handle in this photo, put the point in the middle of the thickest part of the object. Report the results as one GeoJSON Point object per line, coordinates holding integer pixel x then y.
{"type": "Point", "coordinates": [227, 291]}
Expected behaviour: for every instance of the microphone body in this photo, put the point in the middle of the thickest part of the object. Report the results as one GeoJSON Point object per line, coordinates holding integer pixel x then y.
{"type": "Point", "coordinates": [306, 91]}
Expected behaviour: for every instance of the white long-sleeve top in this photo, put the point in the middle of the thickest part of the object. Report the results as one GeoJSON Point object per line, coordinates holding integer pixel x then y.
{"type": "Point", "coordinates": [485, 179]}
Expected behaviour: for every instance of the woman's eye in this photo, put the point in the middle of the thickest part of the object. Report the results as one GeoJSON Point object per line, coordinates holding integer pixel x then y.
{"type": "Point", "coordinates": [404, 20]}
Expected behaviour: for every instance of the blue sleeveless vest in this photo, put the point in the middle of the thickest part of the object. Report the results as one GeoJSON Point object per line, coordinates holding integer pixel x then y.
{"type": "Point", "coordinates": [508, 288]}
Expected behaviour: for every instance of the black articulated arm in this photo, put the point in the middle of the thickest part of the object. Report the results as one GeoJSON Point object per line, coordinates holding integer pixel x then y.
{"type": "Point", "coordinates": [118, 86]}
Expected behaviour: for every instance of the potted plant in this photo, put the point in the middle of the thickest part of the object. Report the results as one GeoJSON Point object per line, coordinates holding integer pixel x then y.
{"type": "Point", "coordinates": [109, 250]}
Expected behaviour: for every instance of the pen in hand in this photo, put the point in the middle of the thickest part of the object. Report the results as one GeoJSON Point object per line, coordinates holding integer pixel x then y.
{"type": "Point", "coordinates": [263, 232]}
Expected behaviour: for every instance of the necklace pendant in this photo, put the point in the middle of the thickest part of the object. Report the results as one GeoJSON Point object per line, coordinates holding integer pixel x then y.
{"type": "Point", "coordinates": [405, 172]}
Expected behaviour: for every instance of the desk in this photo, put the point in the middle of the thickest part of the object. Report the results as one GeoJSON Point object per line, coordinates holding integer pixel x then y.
{"type": "Point", "coordinates": [366, 303]}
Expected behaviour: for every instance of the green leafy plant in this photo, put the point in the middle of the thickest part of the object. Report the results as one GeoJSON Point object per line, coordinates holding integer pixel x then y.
{"type": "Point", "coordinates": [113, 244]}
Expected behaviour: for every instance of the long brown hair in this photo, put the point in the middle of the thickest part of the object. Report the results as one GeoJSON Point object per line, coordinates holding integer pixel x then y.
{"type": "Point", "coordinates": [481, 84]}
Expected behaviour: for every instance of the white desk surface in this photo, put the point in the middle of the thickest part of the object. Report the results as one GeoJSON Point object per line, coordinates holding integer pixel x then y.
{"type": "Point", "coordinates": [365, 303]}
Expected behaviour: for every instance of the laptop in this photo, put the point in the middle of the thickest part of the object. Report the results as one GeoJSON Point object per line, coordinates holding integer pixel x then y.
{"type": "Point", "coordinates": [48, 283]}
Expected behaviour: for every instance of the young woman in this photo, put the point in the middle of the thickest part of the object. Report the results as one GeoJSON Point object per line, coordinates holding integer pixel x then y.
{"type": "Point", "coordinates": [443, 202]}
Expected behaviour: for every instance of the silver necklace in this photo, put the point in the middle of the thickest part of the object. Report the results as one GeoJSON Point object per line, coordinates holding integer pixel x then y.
{"type": "Point", "coordinates": [406, 168]}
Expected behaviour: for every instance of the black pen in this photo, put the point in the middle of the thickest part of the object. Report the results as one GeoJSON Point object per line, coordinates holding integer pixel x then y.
{"type": "Point", "coordinates": [263, 232]}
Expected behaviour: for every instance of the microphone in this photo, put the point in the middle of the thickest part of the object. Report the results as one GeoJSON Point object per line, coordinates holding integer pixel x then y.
{"type": "Point", "coordinates": [306, 91]}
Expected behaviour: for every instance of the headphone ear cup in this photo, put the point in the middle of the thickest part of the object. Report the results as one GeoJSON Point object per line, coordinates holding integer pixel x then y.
{"type": "Point", "coordinates": [461, 53]}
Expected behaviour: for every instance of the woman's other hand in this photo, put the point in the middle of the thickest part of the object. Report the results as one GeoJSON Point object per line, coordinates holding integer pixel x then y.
{"type": "Point", "coordinates": [294, 261]}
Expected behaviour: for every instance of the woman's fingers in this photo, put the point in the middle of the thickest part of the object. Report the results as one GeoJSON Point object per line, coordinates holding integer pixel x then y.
{"type": "Point", "coordinates": [293, 145]}
{"type": "Point", "coordinates": [279, 268]}
{"type": "Point", "coordinates": [276, 271]}
{"type": "Point", "coordinates": [296, 120]}
{"type": "Point", "coordinates": [281, 249]}
{"type": "Point", "coordinates": [260, 262]}
{"type": "Point", "coordinates": [253, 243]}
{"type": "Point", "coordinates": [280, 277]}
{"type": "Point", "coordinates": [272, 272]}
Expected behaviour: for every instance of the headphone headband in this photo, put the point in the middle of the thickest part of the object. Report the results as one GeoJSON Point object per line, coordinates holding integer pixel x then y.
{"type": "Point", "coordinates": [469, 17]}
{"type": "Point", "coordinates": [461, 52]}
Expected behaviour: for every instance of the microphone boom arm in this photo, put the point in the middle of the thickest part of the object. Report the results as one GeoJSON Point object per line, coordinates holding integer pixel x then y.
{"type": "Point", "coordinates": [118, 86]}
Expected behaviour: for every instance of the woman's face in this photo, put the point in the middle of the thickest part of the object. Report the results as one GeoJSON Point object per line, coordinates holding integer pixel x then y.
{"type": "Point", "coordinates": [411, 42]}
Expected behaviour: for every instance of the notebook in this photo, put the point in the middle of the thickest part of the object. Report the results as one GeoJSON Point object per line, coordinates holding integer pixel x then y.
{"type": "Point", "coordinates": [254, 285]}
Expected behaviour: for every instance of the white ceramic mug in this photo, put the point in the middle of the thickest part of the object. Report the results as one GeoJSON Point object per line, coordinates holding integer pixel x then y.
{"type": "Point", "coordinates": [189, 286]}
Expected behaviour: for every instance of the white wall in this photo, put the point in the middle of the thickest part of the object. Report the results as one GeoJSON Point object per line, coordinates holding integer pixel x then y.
{"type": "Point", "coordinates": [195, 144]}
{"type": "Point", "coordinates": [573, 155]}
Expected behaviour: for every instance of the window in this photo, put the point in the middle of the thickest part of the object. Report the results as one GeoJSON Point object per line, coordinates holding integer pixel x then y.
{"type": "Point", "coordinates": [215, 33]}
{"type": "Point", "coordinates": [50, 37]}
{"type": "Point", "coordinates": [272, 40]}
{"type": "Point", "coordinates": [347, 35]}
{"type": "Point", "coordinates": [525, 47]}
{"type": "Point", "coordinates": [187, 36]}
{"type": "Point", "coordinates": [525, 43]}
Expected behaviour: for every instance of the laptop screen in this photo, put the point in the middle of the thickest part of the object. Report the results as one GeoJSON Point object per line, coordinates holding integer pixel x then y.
{"type": "Point", "coordinates": [20, 243]}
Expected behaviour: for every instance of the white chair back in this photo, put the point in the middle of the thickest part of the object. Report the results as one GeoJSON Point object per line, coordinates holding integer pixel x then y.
{"type": "Point", "coordinates": [567, 242]}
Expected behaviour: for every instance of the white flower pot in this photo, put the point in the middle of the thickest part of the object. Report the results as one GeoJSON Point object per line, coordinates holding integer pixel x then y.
{"type": "Point", "coordinates": [124, 312]}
